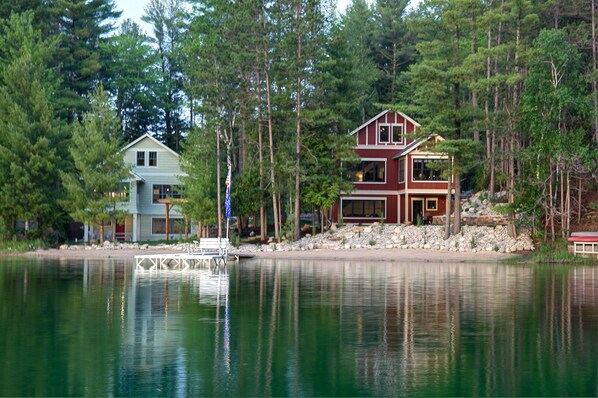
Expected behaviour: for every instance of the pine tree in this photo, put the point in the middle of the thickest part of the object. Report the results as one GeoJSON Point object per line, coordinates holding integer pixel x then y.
{"type": "Point", "coordinates": [31, 137]}
{"type": "Point", "coordinates": [92, 188]}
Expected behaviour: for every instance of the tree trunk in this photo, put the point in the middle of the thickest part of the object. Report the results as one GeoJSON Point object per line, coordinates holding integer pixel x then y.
{"type": "Point", "coordinates": [297, 229]}
{"type": "Point", "coordinates": [271, 141]}
{"type": "Point", "coordinates": [594, 88]}
{"type": "Point", "coordinates": [260, 144]}
{"type": "Point", "coordinates": [457, 204]}
{"type": "Point", "coordinates": [447, 212]}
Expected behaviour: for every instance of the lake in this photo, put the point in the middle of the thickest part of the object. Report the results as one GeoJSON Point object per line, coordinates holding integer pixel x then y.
{"type": "Point", "coordinates": [297, 328]}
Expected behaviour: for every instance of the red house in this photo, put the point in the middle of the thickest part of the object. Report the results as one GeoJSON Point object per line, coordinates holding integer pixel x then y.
{"type": "Point", "coordinates": [394, 182]}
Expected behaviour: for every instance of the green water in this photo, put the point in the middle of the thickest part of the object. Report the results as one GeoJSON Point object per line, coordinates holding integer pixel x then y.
{"type": "Point", "coordinates": [281, 328]}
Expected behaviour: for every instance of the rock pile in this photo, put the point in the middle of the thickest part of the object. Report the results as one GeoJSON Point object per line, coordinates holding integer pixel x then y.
{"type": "Point", "coordinates": [478, 210]}
{"type": "Point", "coordinates": [376, 236]}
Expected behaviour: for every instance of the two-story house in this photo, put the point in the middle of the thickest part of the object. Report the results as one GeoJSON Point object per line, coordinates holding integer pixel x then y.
{"type": "Point", "coordinates": [150, 194]}
{"type": "Point", "coordinates": [394, 182]}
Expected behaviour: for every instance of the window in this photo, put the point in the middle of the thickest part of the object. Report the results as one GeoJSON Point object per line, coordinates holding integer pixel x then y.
{"type": "Point", "coordinates": [122, 195]}
{"type": "Point", "coordinates": [141, 159]}
{"type": "Point", "coordinates": [401, 170]}
{"type": "Point", "coordinates": [153, 159]}
{"type": "Point", "coordinates": [363, 208]}
{"type": "Point", "coordinates": [176, 226]}
{"type": "Point", "coordinates": [432, 204]}
{"type": "Point", "coordinates": [423, 171]}
{"type": "Point", "coordinates": [166, 192]}
{"type": "Point", "coordinates": [384, 133]}
{"type": "Point", "coordinates": [397, 133]}
{"type": "Point", "coordinates": [371, 171]}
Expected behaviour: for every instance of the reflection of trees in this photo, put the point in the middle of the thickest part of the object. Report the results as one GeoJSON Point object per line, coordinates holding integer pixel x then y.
{"type": "Point", "coordinates": [272, 328]}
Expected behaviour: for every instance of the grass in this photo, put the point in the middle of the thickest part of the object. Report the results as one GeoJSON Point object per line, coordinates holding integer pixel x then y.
{"type": "Point", "coordinates": [21, 246]}
{"type": "Point", "coordinates": [558, 253]}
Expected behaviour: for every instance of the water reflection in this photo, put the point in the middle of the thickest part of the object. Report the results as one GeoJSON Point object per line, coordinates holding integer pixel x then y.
{"type": "Point", "coordinates": [275, 328]}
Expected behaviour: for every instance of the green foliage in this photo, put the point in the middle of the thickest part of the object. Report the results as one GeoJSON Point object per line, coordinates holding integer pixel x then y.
{"type": "Point", "coordinates": [99, 167]}
{"type": "Point", "coordinates": [31, 137]}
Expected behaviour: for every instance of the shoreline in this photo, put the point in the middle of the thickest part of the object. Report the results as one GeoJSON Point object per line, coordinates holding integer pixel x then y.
{"type": "Point", "coordinates": [357, 254]}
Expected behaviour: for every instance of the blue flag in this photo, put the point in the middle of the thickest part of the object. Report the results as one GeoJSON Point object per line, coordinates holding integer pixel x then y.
{"type": "Point", "coordinates": [227, 207]}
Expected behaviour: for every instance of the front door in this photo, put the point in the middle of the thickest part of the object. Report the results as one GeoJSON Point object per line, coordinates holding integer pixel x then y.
{"type": "Point", "coordinates": [417, 211]}
{"type": "Point", "coordinates": [120, 232]}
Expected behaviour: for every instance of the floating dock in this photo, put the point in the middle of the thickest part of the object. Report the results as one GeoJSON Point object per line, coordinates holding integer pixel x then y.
{"type": "Point", "coordinates": [179, 261]}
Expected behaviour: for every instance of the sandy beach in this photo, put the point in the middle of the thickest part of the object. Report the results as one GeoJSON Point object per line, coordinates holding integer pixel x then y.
{"type": "Point", "coordinates": [400, 255]}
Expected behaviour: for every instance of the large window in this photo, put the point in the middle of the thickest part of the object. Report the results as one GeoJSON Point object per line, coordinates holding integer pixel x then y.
{"type": "Point", "coordinates": [141, 159]}
{"type": "Point", "coordinates": [401, 170]}
{"type": "Point", "coordinates": [153, 159]}
{"type": "Point", "coordinates": [176, 226]}
{"type": "Point", "coordinates": [166, 192]}
{"type": "Point", "coordinates": [371, 171]}
{"type": "Point", "coordinates": [363, 208]}
{"type": "Point", "coordinates": [423, 171]}
{"type": "Point", "coordinates": [122, 194]}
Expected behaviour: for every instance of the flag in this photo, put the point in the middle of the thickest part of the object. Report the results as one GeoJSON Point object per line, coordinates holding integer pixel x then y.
{"type": "Point", "coordinates": [227, 208]}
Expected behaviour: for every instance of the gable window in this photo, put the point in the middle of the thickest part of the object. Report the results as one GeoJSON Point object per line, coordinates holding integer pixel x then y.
{"type": "Point", "coordinates": [166, 192]}
{"type": "Point", "coordinates": [175, 226]}
{"type": "Point", "coordinates": [384, 133]}
{"type": "Point", "coordinates": [397, 133]}
{"type": "Point", "coordinates": [153, 159]}
{"type": "Point", "coordinates": [371, 171]}
{"type": "Point", "coordinates": [401, 170]}
{"type": "Point", "coordinates": [363, 208]}
{"type": "Point", "coordinates": [423, 171]}
{"type": "Point", "coordinates": [141, 159]}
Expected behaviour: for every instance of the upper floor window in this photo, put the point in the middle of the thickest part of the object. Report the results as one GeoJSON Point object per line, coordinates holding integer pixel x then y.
{"type": "Point", "coordinates": [397, 133]}
{"type": "Point", "coordinates": [153, 159]}
{"type": "Point", "coordinates": [384, 133]}
{"type": "Point", "coordinates": [371, 171]}
{"type": "Point", "coordinates": [141, 159]}
{"type": "Point", "coordinates": [166, 192]}
{"type": "Point", "coordinates": [423, 170]}
{"type": "Point", "coordinates": [388, 131]}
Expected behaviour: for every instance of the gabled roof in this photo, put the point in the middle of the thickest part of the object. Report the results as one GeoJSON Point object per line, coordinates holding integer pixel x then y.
{"type": "Point", "coordinates": [147, 135]}
{"type": "Point", "coordinates": [414, 145]}
{"type": "Point", "coordinates": [416, 124]}
{"type": "Point", "coordinates": [136, 177]}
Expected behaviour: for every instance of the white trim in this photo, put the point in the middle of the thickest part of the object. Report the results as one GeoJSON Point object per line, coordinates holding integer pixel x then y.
{"type": "Point", "coordinates": [372, 192]}
{"type": "Point", "coordinates": [368, 122]}
{"type": "Point", "coordinates": [378, 140]}
{"type": "Point", "coordinates": [147, 135]}
{"type": "Point", "coordinates": [149, 174]}
{"type": "Point", "coordinates": [374, 160]}
{"type": "Point", "coordinates": [391, 146]}
{"type": "Point", "coordinates": [425, 181]}
{"type": "Point", "coordinates": [407, 118]}
{"type": "Point", "coordinates": [430, 200]}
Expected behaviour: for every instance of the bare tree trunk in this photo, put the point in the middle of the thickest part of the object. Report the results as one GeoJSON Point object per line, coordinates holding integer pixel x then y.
{"type": "Point", "coordinates": [271, 140]}
{"type": "Point", "coordinates": [594, 88]}
{"type": "Point", "coordinates": [297, 228]}
{"type": "Point", "coordinates": [568, 203]}
{"type": "Point", "coordinates": [579, 191]}
{"type": "Point", "coordinates": [457, 205]}
{"type": "Point", "coordinates": [260, 144]}
{"type": "Point", "coordinates": [447, 212]}
{"type": "Point", "coordinates": [551, 203]}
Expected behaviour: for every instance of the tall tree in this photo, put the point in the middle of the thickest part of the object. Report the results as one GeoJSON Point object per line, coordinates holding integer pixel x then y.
{"type": "Point", "coordinates": [31, 136]}
{"type": "Point", "coordinates": [168, 18]}
{"type": "Point", "coordinates": [93, 187]}
{"type": "Point", "coordinates": [131, 79]}
{"type": "Point", "coordinates": [81, 26]}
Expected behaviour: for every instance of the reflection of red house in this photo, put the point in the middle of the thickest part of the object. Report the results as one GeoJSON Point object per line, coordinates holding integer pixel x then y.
{"type": "Point", "coordinates": [394, 181]}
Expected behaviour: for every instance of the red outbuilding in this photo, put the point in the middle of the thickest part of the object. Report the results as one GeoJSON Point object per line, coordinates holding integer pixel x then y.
{"type": "Point", "coordinates": [394, 182]}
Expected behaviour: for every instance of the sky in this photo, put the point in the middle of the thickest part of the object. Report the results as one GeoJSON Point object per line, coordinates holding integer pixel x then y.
{"type": "Point", "coordinates": [133, 9]}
